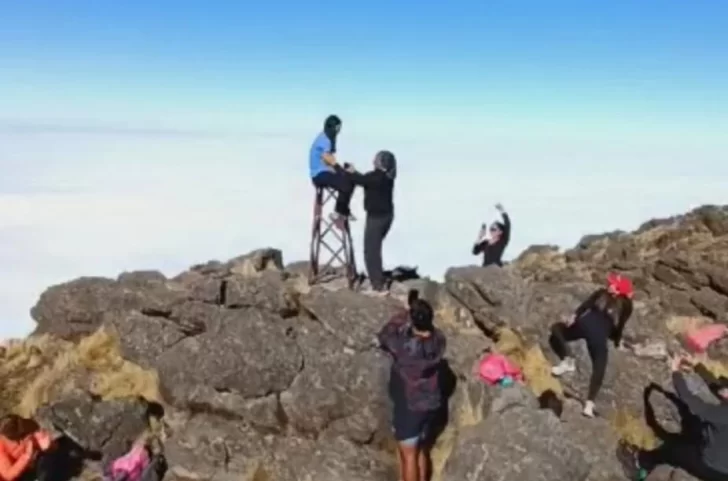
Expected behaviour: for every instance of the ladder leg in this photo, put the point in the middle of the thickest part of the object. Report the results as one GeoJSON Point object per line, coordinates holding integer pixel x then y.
{"type": "Point", "coordinates": [315, 247]}
{"type": "Point", "coordinates": [337, 243]}
{"type": "Point", "coordinates": [351, 272]}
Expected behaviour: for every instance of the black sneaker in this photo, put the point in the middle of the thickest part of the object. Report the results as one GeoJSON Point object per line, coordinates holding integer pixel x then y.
{"type": "Point", "coordinates": [340, 221]}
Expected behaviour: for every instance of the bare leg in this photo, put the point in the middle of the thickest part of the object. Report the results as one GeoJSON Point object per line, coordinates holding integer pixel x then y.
{"type": "Point", "coordinates": [409, 456]}
{"type": "Point", "coordinates": [400, 458]}
{"type": "Point", "coordinates": [424, 463]}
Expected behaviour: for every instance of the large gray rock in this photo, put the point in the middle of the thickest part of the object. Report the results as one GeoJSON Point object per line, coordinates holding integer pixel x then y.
{"type": "Point", "coordinates": [329, 460]}
{"type": "Point", "coordinates": [354, 319]}
{"type": "Point", "coordinates": [210, 448]}
{"type": "Point", "coordinates": [144, 339]}
{"type": "Point", "coordinates": [340, 389]}
{"type": "Point", "coordinates": [79, 307]}
{"type": "Point", "coordinates": [207, 447]}
{"type": "Point", "coordinates": [257, 261]}
{"type": "Point", "coordinates": [267, 291]}
{"type": "Point", "coordinates": [495, 296]}
{"type": "Point", "coordinates": [247, 265]}
{"type": "Point", "coordinates": [250, 355]}
{"type": "Point", "coordinates": [106, 427]}
{"type": "Point", "coordinates": [517, 441]}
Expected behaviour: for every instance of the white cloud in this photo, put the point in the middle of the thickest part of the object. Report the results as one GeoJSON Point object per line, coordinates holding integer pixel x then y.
{"type": "Point", "coordinates": [96, 204]}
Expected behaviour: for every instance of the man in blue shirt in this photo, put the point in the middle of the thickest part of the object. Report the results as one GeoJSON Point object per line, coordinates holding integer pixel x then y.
{"type": "Point", "coordinates": [326, 172]}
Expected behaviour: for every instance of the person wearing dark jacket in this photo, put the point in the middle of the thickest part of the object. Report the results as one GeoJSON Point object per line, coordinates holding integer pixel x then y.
{"type": "Point", "coordinates": [703, 458]}
{"type": "Point", "coordinates": [493, 246]}
{"type": "Point", "coordinates": [417, 349]}
{"type": "Point", "coordinates": [597, 320]}
{"type": "Point", "coordinates": [378, 188]}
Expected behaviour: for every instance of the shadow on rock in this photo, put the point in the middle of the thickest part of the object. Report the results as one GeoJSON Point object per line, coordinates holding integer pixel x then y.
{"type": "Point", "coordinates": [65, 461]}
{"type": "Point", "coordinates": [448, 382]}
{"type": "Point", "coordinates": [690, 425]}
{"type": "Point", "coordinates": [681, 450]}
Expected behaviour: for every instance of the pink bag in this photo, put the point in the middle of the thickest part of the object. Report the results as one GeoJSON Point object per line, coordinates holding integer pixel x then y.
{"type": "Point", "coordinates": [700, 339]}
{"type": "Point", "coordinates": [130, 466]}
{"type": "Point", "coordinates": [494, 367]}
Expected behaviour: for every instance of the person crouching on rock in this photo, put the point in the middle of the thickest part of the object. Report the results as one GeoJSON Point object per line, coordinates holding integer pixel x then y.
{"type": "Point", "coordinates": [378, 186]}
{"type": "Point", "coordinates": [600, 318]}
{"type": "Point", "coordinates": [703, 454]}
{"type": "Point", "coordinates": [22, 448]}
{"type": "Point", "coordinates": [417, 351]}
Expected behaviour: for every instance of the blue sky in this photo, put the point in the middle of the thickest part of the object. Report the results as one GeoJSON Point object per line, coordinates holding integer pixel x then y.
{"type": "Point", "coordinates": [159, 134]}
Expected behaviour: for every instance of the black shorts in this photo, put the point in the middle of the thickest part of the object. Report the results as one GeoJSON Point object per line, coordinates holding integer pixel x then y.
{"type": "Point", "coordinates": [411, 427]}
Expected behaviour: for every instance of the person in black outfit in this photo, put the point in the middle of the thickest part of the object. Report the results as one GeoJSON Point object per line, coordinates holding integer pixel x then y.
{"type": "Point", "coordinates": [378, 188]}
{"type": "Point", "coordinates": [705, 457]}
{"type": "Point", "coordinates": [493, 247]}
{"type": "Point", "coordinates": [600, 318]}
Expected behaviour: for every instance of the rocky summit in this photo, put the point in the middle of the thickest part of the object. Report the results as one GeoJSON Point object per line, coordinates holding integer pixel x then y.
{"type": "Point", "coordinates": [246, 373]}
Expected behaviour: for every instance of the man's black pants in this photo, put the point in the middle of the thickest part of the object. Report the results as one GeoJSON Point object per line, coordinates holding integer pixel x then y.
{"type": "Point", "coordinates": [342, 184]}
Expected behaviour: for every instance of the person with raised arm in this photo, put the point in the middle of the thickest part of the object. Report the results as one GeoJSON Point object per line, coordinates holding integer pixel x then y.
{"type": "Point", "coordinates": [492, 242]}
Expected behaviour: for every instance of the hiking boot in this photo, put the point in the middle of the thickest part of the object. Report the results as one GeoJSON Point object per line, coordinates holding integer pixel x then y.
{"type": "Point", "coordinates": [338, 220]}
{"type": "Point", "coordinates": [566, 366]}
{"type": "Point", "coordinates": [628, 458]}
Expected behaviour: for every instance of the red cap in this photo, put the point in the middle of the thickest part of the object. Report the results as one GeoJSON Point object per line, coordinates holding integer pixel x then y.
{"type": "Point", "coordinates": [622, 285]}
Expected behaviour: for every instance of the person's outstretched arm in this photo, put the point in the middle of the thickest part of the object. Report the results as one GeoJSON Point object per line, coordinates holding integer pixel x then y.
{"type": "Point", "coordinates": [367, 180]}
{"type": "Point", "coordinates": [506, 223]}
{"type": "Point", "coordinates": [705, 374]}
{"type": "Point", "coordinates": [329, 158]}
{"type": "Point", "coordinates": [389, 334]}
{"type": "Point", "coordinates": [480, 242]}
{"type": "Point", "coordinates": [479, 247]}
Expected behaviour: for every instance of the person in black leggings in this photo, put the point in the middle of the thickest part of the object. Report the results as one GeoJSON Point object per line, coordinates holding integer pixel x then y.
{"type": "Point", "coordinates": [597, 320]}
{"type": "Point", "coordinates": [378, 188]}
{"type": "Point", "coordinates": [702, 454]}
